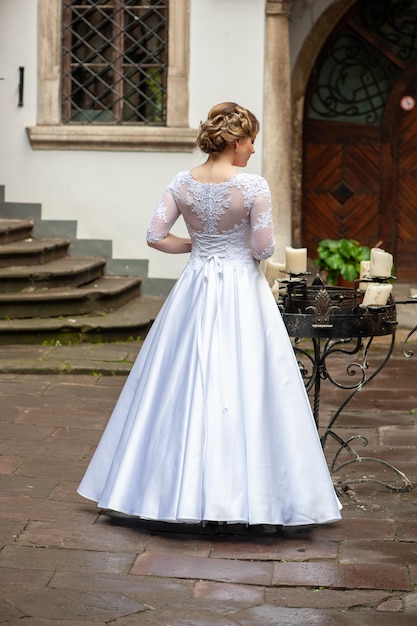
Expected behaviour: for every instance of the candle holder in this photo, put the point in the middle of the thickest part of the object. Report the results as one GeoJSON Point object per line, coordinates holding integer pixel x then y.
{"type": "Point", "coordinates": [293, 278]}
{"type": "Point", "coordinates": [298, 276]}
{"type": "Point", "coordinates": [375, 279]}
{"type": "Point", "coordinates": [332, 322]}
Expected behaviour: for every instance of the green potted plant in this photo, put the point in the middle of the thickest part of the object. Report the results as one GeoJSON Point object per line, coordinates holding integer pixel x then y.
{"type": "Point", "coordinates": [341, 258]}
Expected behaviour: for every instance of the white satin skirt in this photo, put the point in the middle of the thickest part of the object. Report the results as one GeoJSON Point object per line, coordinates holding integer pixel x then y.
{"type": "Point", "coordinates": [214, 422]}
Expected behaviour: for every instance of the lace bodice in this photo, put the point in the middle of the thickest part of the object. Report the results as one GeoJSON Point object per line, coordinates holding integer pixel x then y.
{"type": "Point", "coordinates": [231, 220]}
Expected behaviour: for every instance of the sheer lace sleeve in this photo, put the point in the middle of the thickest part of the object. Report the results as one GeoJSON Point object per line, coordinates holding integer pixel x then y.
{"type": "Point", "coordinates": [165, 215]}
{"type": "Point", "coordinates": [261, 222]}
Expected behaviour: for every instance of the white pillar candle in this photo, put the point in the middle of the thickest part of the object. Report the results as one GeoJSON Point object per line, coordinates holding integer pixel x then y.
{"type": "Point", "coordinates": [381, 263]}
{"type": "Point", "coordinates": [377, 294]}
{"type": "Point", "coordinates": [275, 290]}
{"type": "Point", "coordinates": [295, 260]}
{"type": "Point", "coordinates": [364, 271]}
{"type": "Point", "coordinates": [273, 270]}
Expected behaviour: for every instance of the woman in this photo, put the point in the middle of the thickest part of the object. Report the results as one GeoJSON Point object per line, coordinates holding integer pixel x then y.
{"type": "Point", "coordinates": [213, 423]}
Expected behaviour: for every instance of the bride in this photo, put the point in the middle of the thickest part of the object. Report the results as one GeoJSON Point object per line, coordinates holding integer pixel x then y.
{"type": "Point", "coordinates": [214, 423]}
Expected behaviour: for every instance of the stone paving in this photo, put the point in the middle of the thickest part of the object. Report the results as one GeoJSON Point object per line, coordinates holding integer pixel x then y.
{"type": "Point", "coordinates": [63, 562]}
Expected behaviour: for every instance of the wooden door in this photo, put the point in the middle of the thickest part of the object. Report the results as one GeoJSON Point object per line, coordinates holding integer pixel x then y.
{"type": "Point", "coordinates": [406, 205]}
{"type": "Point", "coordinates": [341, 184]}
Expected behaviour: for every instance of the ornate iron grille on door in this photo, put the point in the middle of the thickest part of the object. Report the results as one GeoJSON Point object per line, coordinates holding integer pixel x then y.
{"type": "Point", "coordinates": [362, 61]}
{"type": "Point", "coordinates": [115, 59]}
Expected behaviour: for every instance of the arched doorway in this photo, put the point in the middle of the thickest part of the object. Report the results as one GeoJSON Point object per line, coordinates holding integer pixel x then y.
{"type": "Point", "coordinates": [360, 137]}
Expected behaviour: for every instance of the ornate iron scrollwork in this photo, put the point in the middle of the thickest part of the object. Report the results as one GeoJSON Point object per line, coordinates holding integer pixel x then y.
{"type": "Point", "coordinates": [353, 81]}
{"type": "Point", "coordinates": [394, 22]}
{"type": "Point", "coordinates": [360, 64]}
{"type": "Point", "coordinates": [322, 309]}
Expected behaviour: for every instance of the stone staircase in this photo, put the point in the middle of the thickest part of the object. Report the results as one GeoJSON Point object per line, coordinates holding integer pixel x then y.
{"type": "Point", "coordinates": [48, 295]}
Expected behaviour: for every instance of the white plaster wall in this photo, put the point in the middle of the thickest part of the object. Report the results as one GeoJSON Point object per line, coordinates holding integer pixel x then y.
{"type": "Point", "coordinates": [227, 56]}
{"type": "Point", "coordinates": [112, 195]}
{"type": "Point", "coordinates": [17, 48]}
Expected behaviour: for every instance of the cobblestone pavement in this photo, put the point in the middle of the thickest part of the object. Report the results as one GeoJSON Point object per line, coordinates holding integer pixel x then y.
{"type": "Point", "coordinates": [63, 562]}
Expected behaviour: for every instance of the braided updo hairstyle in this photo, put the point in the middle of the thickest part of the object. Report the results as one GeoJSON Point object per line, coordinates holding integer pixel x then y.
{"type": "Point", "coordinates": [226, 122]}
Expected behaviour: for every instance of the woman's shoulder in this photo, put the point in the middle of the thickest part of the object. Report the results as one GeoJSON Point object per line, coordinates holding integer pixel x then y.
{"type": "Point", "coordinates": [254, 177]}
{"type": "Point", "coordinates": [179, 179]}
{"type": "Point", "coordinates": [254, 182]}
{"type": "Point", "coordinates": [181, 176]}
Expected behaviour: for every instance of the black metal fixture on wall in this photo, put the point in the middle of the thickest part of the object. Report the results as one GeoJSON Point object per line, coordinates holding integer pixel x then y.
{"type": "Point", "coordinates": [21, 85]}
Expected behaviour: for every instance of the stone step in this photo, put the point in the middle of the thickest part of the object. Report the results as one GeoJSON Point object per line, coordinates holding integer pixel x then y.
{"type": "Point", "coordinates": [129, 322]}
{"type": "Point", "coordinates": [15, 230]}
{"type": "Point", "coordinates": [33, 251]}
{"type": "Point", "coordinates": [105, 294]}
{"type": "Point", "coordinates": [75, 271]}
{"type": "Point", "coordinates": [48, 295]}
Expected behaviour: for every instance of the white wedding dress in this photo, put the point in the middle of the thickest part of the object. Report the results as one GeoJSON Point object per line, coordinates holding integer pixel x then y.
{"type": "Point", "coordinates": [213, 422]}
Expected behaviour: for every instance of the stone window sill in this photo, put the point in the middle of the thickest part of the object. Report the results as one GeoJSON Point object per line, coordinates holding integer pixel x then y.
{"type": "Point", "coordinates": [114, 138]}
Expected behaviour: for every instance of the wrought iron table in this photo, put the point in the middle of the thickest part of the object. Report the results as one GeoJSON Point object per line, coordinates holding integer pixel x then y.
{"type": "Point", "coordinates": [333, 320]}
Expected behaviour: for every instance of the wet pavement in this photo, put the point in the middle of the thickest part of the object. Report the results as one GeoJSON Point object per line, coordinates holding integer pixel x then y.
{"type": "Point", "coordinates": [63, 562]}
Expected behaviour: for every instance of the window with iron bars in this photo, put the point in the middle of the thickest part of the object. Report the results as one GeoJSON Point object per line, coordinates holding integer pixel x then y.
{"type": "Point", "coordinates": [115, 60]}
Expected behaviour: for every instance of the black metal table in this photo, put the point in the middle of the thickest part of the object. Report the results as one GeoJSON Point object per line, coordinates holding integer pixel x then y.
{"type": "Point", "coordinates": [332, 320]}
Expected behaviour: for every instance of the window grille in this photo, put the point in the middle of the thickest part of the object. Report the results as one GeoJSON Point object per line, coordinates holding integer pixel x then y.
{"type": "Point", "coordinates": [353, 81]}
{"type": "Point", "coordinates": [115, 59]}
{"type": "Point", "coordinates": [359, 66]}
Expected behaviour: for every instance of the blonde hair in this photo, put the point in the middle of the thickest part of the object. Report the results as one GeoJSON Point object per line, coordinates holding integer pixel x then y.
{"type": "Point", "coordinates": [226, 122]}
